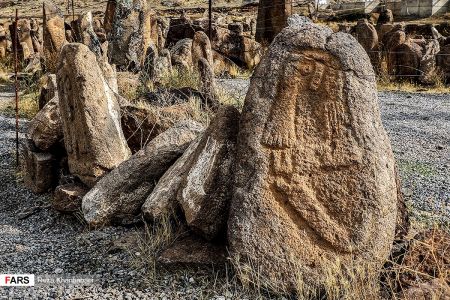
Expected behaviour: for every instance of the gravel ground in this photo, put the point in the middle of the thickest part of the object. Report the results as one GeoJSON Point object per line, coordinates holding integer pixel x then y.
{"type": "Point", "coordinates": [34, 239]}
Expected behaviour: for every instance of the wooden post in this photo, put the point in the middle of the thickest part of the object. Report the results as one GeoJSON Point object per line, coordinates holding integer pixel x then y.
{"type": "Point", "coordinates": [16, 81]}
{"type": "Point", "coordinates": [210, 19]}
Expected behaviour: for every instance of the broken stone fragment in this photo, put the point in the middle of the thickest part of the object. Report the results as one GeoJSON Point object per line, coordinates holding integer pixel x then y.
{"type": "Point", "coordinates": [38, 168]}
{"type": "Point", "coordinates": [45, 129]}
{"type": "Point", "coordinates": [193, 251]}
{"type": "Point", "coordinates": [121, 193]}
{"type": "Point", "coordinates": [67, 198]}
{"type": "Point", "coordinates": [201, 179]}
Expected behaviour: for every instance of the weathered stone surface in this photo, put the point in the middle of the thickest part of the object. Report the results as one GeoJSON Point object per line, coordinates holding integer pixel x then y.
{"type": "Point", "coordinates": [181, 55]}
{"type": "Point", "coordinates": [315, 173]}
{"type": "Point", "coordinates": [428, 70]}
{"type": "Point", "coordinates": [142, 124]}
{"type": "Point", "coordinates": [45, 129]}
{"type": "Point", "coordinates": [49, 89]}
{"type": "Point", "coordinates": [128, 84]}
{"type": "Point", "coordinates": [162, 202]}
{"type": "Point", "coordinates": [244, 51]}
{"type": "Point", "coordinates": [200, 178]}
{"type": "Point", "coordinates": [201, 48]}
{"type": "Point", "coordinates": [121, 193]}
{"type": "Point", "coordinates": [90, 116]}
{"type": "Point", "coordinates": [433, 289]}
{"type": "Point", "coordinates": [163, 65]}
{"type": "Point", "coordinates": [443, 61]}
{"type": "Point", "coordinates": [367, 36]}
{"type": "Point", "coordinates": [207, 83]}
{"type": "Point", "coordinates": [272, 18]}
{"type": "Point", "coordinates": [54, 36]}
{"type": "Point", "coordinates": [193, 251]}
{"type": "Point", "coordinates": [131, 34]}
{"type": "Point", "coordinates": [67, 198]}
{"type": "Point", "coordinates": [386, 17]}
{"type": "Point", "coordinates": [148, 69]}
{"type": "Point", "coordinates": [85, 33]}
{"type": "Point", "coordinates": [25, 40]}
{"type": "Point", "coordinates": [205, 191]}
{"type": "Point", "coordinates": [38, 168]}
{"type": "Point", "coordinates": [108, 20]}
{"type": "Point", "coordinates": [405, 60]}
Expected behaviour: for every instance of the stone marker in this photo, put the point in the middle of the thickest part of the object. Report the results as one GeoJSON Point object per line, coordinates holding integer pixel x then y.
{"type": "Point", "coordinates": [67, 197]}
{"type": "Point", "coordinates": [90, 116]}
{"type": "Point", "coordinates": [131, 34]}
{"type": "Point", "coordinates": [443, 61]}
{"type": "Point", "coordinates": [315, 173]}
{"type": "Point", "coordinates": [367, 36]}
{"type": "Point", "coordinates": [54, 36]}
{"type": "Point", "coordinates": [38, 168]}
{"type": "Point", "coordinates": [49, 89]}
{"type": "Point", "coordinates": [272, 18]}
{"type": "Point", "coordinates": [201, 48]}
{"type": "Point", "coordinates": [428, 70]}
{"type": "Point", "coordinates": [405, 60]}
{"type": "Point", "coordinates": [45, 129]}
{"type": "Point", "coordinates": [121, 193]}
{"type": "Point", "coordinates": [181, 55]}
{"type": "Point", "coordinates": [207, 83]}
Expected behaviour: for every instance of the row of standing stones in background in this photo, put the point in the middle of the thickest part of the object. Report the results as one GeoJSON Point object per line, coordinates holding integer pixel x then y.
{"type": "Point", "coordinates": [303, 177]}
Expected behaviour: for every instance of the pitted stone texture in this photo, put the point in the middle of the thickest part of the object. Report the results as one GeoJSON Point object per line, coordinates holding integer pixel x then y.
{"type": "Point", "coordinates": [201, 179]}
{"type": "Point", "coordinates": [315, 172]}
{"type": "Point", "coordinates": [54, 36]}
{"type": "Point", "coordinates": [45, 129]}
{"type": "Point", "coordinates": [121, 193]}
{"type": "Point", "coordinates": [134, 27]}
{"type": "Point", "coordinates": [67, 198]}
{"type": "Point", "coordinates": [201, 48]}
{"type": "Point", "coordinates": [272, 18]}
{"type": "Point", "coordinates": [90, 116]}
{"type": "Point", "coordinates": [38, 168]}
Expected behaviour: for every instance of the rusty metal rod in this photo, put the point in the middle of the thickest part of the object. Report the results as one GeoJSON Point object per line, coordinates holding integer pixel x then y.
{"type": "Point", "coordinates": [73, 12]}
{"type": "Point", "coordinates": [16, 56]}
{"type": "Point", "coordinates": [210, 19]}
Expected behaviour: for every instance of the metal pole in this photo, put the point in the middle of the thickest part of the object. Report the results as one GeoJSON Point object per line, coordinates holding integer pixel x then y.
{"type": "Point", "coordinates": [73, 12]}
{"type": "Point", "coordinates": [16, 38]}
{"type": "Point", "coordinates": [210, 19]}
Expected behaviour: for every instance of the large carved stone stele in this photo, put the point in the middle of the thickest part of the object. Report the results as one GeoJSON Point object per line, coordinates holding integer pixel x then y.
{"type": "Point", "coordinates": [315, 172]}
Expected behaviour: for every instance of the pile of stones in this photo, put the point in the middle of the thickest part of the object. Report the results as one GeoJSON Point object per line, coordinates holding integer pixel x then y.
{"type": "Point", "coordinates": [304, 176]}
{"type": "Point", "coordinates": [413, 52]}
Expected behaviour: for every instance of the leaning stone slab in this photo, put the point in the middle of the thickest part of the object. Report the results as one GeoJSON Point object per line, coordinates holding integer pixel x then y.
{"type": "Point", "coordinates": [121, 193]}
{"type": "Point", "coordinates": [315, 176]}
{"type": "Point", "coordinates": [200, 180]}
{"type": "Point", "coordinates": [90, 116]}
{"type": "Point", "coordinates": [45, 129]}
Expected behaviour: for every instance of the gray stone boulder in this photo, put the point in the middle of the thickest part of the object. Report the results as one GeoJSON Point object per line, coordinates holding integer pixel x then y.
{"type": "Point", "coordinates": [121, 193]}
{"type": "Point", "coordinates": [315, 181]}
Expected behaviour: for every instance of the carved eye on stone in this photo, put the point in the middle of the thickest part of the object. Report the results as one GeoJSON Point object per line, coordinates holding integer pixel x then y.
{"type": "Point", "coordinates": [305, 67]}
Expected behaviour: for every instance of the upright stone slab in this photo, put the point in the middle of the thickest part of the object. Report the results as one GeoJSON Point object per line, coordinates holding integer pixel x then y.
{"type": "Point", "coordinates": [367, 36]}
{"type": "Point", "coordinates": [90, 116]}
{"type": "Point", "coordinates": [201, 48]}
{"type": "Point", "coordinates": [272, 18]}
{"type": "Point", "coordinates": [315, 174]}
{"type": "Point", "coordinates": [45, 129]}
{"type": "Point", "coordinates": [54, 36]}
{"type": "Point", "coordinates": [38, 168]}
{"type": "Point", "coordinates": [131, 34]}
{"type": "Point", "coordinates": [207, 84]}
